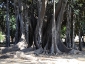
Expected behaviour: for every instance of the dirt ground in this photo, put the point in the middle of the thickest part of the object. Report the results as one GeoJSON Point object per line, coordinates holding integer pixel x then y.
{"type": "Point", "coordinates": [10, 58]}
{"type": "Point", "coordinates": [44, 59]}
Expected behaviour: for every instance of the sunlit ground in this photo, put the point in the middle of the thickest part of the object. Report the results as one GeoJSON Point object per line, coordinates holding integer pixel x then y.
{"type": "Point", "coordinates": [46, 59]}
{"type": "Point", "coordinates": [43, 61]}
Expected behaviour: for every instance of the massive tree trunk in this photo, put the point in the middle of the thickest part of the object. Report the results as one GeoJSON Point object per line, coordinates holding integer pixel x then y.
{"type": "Point", "coordinates": [20, 31]}
{"type": "Point", "coordinates": [7, 26]}
{"type": "Point", "coordinates": [32, 26]}
{"type": "Point", "coordinates": [68, 27]}
{"type": "Point", "coordinates": [61, 46]}
{"type": "Point", "coordinates": [54, 47]}
{"type": "Point", "coordinates": [52, 41]}
{"type": "Point", "coordinates": [38, 31]}
{"type": "Point", "coordinates": [26, 24]}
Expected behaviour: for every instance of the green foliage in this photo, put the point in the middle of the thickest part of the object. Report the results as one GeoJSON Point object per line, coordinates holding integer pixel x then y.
{"type": "Point", "coordinates": [80, 5]}
{"type": "Point", "coordinates": [63, 31]}
{"type": "Point", "coordinates": [12, 26]}
{"type": "Point", "coordinates": [1, 37]}
{"type": "Point", "coordinates": [56, 0]}
{"type": "Point", "coordinates": [12, 23]}
{"type": "Point", "coordinates": [76, 12]}
{"type": "Point", "coordinates": [83, 26]}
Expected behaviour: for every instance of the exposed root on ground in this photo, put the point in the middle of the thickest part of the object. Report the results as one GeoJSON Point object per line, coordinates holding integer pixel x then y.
{"type": "Point", "coordinates": [73, 51]}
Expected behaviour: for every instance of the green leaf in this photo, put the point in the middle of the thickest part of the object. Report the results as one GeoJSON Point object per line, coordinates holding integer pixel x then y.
{"type": "Point", "coordinates": [76, 12]}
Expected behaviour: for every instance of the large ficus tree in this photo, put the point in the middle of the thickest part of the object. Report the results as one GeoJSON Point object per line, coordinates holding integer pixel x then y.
{"type": "Point", "coordinates": [38, 24]}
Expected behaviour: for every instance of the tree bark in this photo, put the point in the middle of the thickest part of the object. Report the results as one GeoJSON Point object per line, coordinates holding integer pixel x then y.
{"type": "Point", "coordinates": [58, 46]}
{"type": "Point", "coordinates": [38, 31]}
{"type": "Point", "coordinates": [59, 22]}
{"type": "Point", "coordinates": [7, 26]}
{"type": "Point", "coordinates": [68, 25]}
{"type": "Point", "coordinates": [53, 31]}
{"type": "Point", "coordinates": [17, 34]}
{"type": "Point", "coordinates": [80, 43]}
{"type": "Point", "coordinates": [73, 32]}
{"type": "Point", "coordinates": [80, 35]}
{"type": "Point", "coordinates": [22, 44]}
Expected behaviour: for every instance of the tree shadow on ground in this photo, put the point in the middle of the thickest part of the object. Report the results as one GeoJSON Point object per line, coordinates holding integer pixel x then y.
{"type": "Point", "coordinates": [4, 57]}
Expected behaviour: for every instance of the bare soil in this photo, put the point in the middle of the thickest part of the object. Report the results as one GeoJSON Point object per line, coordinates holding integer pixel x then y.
{"type": "Point", "coordinates": [11, 58]}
